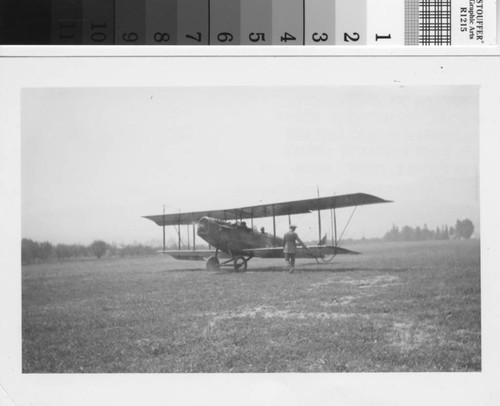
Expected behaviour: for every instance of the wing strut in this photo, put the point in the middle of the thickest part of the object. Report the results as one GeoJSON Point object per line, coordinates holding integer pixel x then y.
{"type": "Point", "coordinates": [348, 221]}
{"type": "Point", "coordinates": [319, 219]}
{"type": "Point", "coordinates": [331, 227]}
{"type": "Point", "coordinates": [333, 219]}
{"type": "Point", "coordinates": [163, 227]}
{"type": "Point", "coordinates": [335, 224]}
{"type": "Point", "coordinates": [274, 224]}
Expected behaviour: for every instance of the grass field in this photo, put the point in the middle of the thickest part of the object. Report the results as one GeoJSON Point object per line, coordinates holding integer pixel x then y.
{"type": "Point", "coordinates": [396, 307]}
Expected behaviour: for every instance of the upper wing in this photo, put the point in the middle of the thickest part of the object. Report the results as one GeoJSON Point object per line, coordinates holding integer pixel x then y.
{"type": "Point", "coordinates": [267, 210]}
{"type": "Point", "coordinates": [313, 251]}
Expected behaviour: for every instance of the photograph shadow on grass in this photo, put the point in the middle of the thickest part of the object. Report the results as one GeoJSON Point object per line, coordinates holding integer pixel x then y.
{"type": "Point", "coordinates": [309, 268]}
{"type": "Point", "coordinates": [183, 270]}
{"type": "Point", "coordinates": [302, 268]}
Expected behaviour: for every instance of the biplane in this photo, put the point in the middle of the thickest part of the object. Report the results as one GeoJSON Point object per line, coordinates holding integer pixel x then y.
{"type": "Point", "coordinates": [235, 243]}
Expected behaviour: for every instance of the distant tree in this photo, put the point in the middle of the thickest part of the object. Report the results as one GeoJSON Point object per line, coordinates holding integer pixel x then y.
{"type": "Point", "coordinates": [467, 228]}
{"type": "Point", "coordinates": [28, 251]}
{"type": "Point", "coordinates": [445, 234]}
{"type": "Point", "coordinates": [418, 235]}
{"type": "Point", "coordinates": [464, 229]}
{"type": "Point", "coordinates": [407, 233]}
{"type": "Point", "coordinates": [98, 248]}
{"type": "Point", "coordinates": [46, 251]}
{"type": "Point", "coordinates": [112, 249]}
{"type": "Point", "coordinates": [427, 234]}
{"type": "Point", "coordinates": [81, 250]}
{"type": "Point", "coordinates": [393, 234]}
{"type": "Point", "coordinates": [62, 252]}
{"type": "Point", "coordinates": [451, 232]}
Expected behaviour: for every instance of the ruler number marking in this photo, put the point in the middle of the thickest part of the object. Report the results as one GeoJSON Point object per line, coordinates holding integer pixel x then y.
{"type": "Point", "coordinates": [316, 37]}
{"type": "Point", "coordinates": [161, 37]}
{"type": "Point", "coordinates": [98, 36]}
{"type": "Point", "coordinates": [225, 37]}
{"type": "Point", "coordinates": [197, 38]}
{"type": "Point", "coordinates": [287, 37]}
{"type": "Point", "coordinates": [130, 37]}
{"type": "Point", "coordinates": [67, 30]}
{"type": "Point", "coordinates": [377, 37]}
{"type": "Point", "coordinates": [351, 38]}
{"type": "Point", "coordinates": [257, 36]}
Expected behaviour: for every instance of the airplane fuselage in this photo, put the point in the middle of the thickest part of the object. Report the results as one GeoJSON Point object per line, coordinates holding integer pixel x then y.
{"type": "Point", "coordinates": [234, 238]}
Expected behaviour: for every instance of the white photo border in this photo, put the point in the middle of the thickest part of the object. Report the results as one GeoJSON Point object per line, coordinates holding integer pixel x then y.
{"type": "Point", "coordinates": [228, 389]}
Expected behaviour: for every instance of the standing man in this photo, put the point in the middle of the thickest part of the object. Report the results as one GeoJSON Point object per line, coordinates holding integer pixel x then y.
{"type": "Point", "coordinates": [290, 240]}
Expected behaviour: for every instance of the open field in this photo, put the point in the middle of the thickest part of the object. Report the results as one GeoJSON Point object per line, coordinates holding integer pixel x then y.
{"type": "Point", "coordinates": [396, 307]}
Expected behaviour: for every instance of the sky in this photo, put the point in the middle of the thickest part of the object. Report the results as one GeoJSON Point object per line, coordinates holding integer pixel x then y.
{"type": "Point", "coordinates": [94, 160]}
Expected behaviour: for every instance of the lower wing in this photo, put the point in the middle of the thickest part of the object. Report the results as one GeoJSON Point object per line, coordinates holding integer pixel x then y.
{"type": "Point", "coordinates": [313, 251]}
{"type": "Point", "coordinates": [191, 255]}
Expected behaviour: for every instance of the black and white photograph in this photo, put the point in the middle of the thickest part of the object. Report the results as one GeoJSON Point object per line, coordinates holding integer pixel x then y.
{"type": "Point", "coordinates": [251, 229]}
{"type": "Point", "coordinates": [249, 202]}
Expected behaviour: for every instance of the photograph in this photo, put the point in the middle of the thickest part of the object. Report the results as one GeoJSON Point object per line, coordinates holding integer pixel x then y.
{"type": "Point", "coordinates": [251, 229]}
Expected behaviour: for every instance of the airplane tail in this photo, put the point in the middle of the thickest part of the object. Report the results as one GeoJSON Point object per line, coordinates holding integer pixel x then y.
{"type": "Point", "coordinates": [322, 241]}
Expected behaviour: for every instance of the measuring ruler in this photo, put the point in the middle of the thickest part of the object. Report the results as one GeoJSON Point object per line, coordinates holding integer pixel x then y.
{"type": "Point", "coordinates": [249, 22]}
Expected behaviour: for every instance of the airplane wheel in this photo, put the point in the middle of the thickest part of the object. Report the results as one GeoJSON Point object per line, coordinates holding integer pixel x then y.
{"type": "Point", "coordinates": [240, 264]}
{"type": "Point", "coordinates": [325, 259]}
{"type": "Point", "coordinates": [212, 264]}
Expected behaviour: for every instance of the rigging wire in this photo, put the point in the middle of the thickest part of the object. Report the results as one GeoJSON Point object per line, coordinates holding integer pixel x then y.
{"type": "Point", "coordinates": [347, 224]}
{"type": "Point", "coordinates": [179, 235]}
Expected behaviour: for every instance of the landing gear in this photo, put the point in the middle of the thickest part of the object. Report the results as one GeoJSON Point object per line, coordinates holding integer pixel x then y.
{"type": "Point", "coordinates": [213, 264]}
{"type": "Point", "coordinates": [325, 259]}
{"type": "Point", "coordinates": [240, 263]}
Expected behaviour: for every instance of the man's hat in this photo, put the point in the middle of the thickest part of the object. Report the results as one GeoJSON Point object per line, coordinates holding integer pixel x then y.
{"type": "Point", "coordinates": [293, 226]}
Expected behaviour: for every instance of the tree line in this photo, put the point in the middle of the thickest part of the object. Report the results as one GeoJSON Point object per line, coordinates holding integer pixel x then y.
{"type": "Point", "coordinates": [33, 251]}
{"type": "Point", "coordinates": [463, 230]}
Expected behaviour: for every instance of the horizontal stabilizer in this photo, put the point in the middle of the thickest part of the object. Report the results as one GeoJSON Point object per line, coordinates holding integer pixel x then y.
{"type": "Point", "coordinates": [313, 251]}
